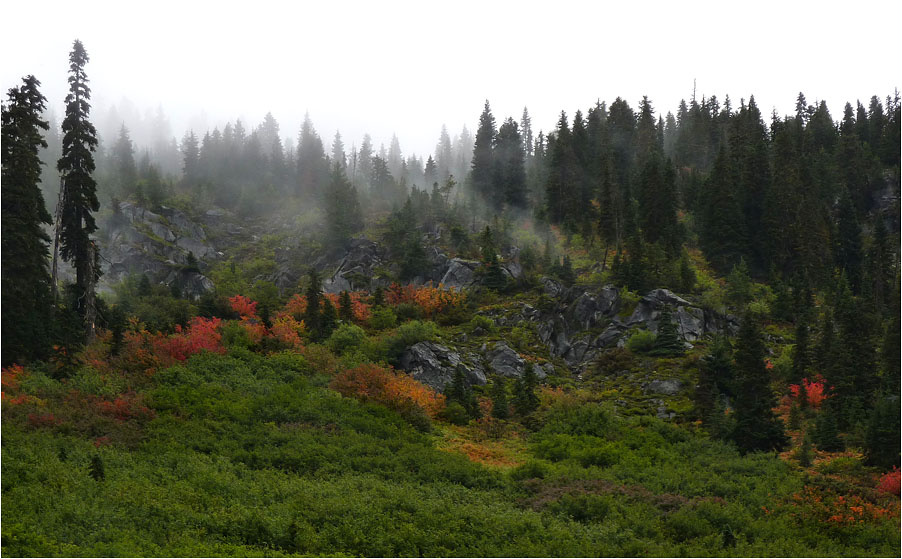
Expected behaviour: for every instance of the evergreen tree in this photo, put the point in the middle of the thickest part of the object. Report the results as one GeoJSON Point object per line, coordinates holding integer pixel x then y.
{"type": "Point", "coordinates": [510, 179]}
{"type": "Point", "coordinates": [526, 400]}
{"type": "Point", "coordinates": [459, 391]}
{"type": "Point", "coordinates": [500, 408]}
{"type": "Point", "coordinates": [328, 320]}
{"type": "Point", "coordinates": [190, 159]}
{"type": "Point", "coordinates": [345, 311]}
{"type": "Point", "coordinates": [342, 208]}
{"type": "Point", "coordinates": [847, 250]}
{"type": "Point", "coordinates": [26, 279]}
{"type": "Point", "coordinates": [312, 316]}
{"type": "Point", "coordinates": [79, 195]}
{"type": "Point", "coordinates": [722, 235]}
{"type": "Point", "coordinates": [757, 428]}
{"type": "Point", "coordinates": [123, 155]}
{"type": "Point", "coordinates": [687, 274]}
{"type": "Point", "coordinates": [483, 165]}
{"type": "Point", "coordinates": [668, 340]}
{"type": "Point", "coordinates": [826, 428]}
{"type": "Point", "coordinates": [715, 377]}
{"type": "Point", "coordinates": [312, 167]}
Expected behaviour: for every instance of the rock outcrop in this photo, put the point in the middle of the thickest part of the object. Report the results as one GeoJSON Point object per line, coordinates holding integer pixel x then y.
{"type": "Point", "coordinates": [435, 365]}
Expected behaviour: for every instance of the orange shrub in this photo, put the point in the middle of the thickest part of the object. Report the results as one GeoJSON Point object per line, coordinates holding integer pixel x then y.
{"type": "Point", "coordinates": [202, 334]}
{"type": "Point", "coordinates": [431, 299]}
{"type": "Point", "coordinates": [288, 330]}
{"type": "Point", "coordinates": [371, 383]}
{"type": "Point", "coordinates": [359, 308]}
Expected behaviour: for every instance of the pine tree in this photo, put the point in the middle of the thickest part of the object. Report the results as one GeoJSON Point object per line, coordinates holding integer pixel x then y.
{"type": "Point", "coordinates": [328, 320]}
{"type": "Point", "coordinates": [26, 279]}
{"type": "Point", "coordinates": [510, 179]}
{"type": "Point", "coordinates": [79, 190]}
{"type": "Point", "coordinates": [826, 428]}
{"type": "Point", "coordinates": [757, 428]}
{"type": "Point", "coordinates": [123, 155]}
{"type": "Point", "coordinates": [190, 159]}
{"type": "Point", "coordinates": [847, 251]}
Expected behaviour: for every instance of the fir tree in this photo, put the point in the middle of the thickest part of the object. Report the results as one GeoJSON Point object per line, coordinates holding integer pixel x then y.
{"type": "Point", "coordinates": [483, 166]}
{"type": "Point", "coordinates": [328, 320]}
{"type": "Point", "coordinates": [26, 279]}
{"type": "Point", "coordinates": [79, 190]}
{"type": "Point", "coordinates": [757, 428]}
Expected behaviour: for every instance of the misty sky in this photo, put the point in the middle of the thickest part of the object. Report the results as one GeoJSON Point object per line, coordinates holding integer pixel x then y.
{"type": "Point", "coordinates": [409, 67]}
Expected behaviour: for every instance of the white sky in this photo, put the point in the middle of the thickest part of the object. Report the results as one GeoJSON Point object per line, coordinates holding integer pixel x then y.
{"type": "Point", "coordinates": [409, 67]}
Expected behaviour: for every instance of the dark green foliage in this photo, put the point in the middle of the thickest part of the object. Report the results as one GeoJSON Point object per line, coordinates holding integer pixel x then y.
{"type": "Point", "coordinates": [667, 342]}
{"type": "Point", "coordinates": [757, 428]}
{"type": "Point", "coordinates": [883, 432]}
{"type": "Point", "coordinates": [312, 315]}
{"type": "Point", "coordinates": [459, 391]}
{"type": "Point", "coordinates": [715, 377]}
{"type": "Point", "coordinates": [526, 400]}
{"type": "Point", "coordinates": [826, 428]}
{"type": "Point", "coordinates": [498, 393]}
{"type": "Point", "coordinates": [509, 184]}
{"type": "Point", "coordinates": [328, 319]}
{"type": "Point", "coordinates": [76, 166]}
{"type": "Point", "coordinates": [96, 470]}
{"type": "Point", "coordinates": [26, 279]}
{"type": "Point", "coordinates": [379, 297]}
{"type": "Point", "coordinates": [739, 285]}
{"type": "Point", "coordinates": [483, 165]}
{"type": "Point", "coordinates": [342, 208]}
{"type": "Point", "coordinates": [805, 454]}
{"type": "Point", "coordinates": [687, 274]}
{"type": "Point", "coordinates": [345, 311]}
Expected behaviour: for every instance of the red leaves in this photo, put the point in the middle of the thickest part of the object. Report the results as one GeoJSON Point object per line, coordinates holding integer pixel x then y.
{"type": "Point", "coordinates": [245, 308]}
{"type": "Point", "coordinates": [889, 482]}
{"type": "Point", "coordinates": [813, 389]}
{"type": "Point", "coordinates": [201, 335]}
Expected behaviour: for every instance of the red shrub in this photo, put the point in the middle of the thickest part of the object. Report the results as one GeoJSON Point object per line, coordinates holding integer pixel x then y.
{"type": "Point", "coordinates": [890, 482]}
{"type": "Point", "coordinates": [431, 299]}
{"type": "Point", "coordinates": [813, 389]}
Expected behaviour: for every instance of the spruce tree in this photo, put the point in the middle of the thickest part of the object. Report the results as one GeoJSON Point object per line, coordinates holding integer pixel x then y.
{"type": "Point", "coordinates": [26, 279]}
{"type": "Point", "coordinates": [328, 319]}
{"type": "Point", "coordinates": [757, 428]}
{"type": "Point", "coordinates": [79, 190]}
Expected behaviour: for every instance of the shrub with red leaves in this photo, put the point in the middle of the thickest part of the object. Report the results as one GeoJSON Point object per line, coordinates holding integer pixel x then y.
{"type": "Point", "coordinates": [890, 482]}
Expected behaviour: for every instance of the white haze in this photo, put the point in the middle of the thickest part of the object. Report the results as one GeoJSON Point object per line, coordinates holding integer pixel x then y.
{"type": "Point", "coordinates": [409, 67]}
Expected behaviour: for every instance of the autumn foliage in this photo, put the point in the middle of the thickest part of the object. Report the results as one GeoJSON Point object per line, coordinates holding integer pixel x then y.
{"type": "Point", "coordinates": [372, 383]}
{"type": "Point", "coordinates": [889, 482]}
{"type": "Point", "coordinates": [202, 334]}
{"type": "Point", "coordinates": [813, 389]}
{"type": "Point", "coordinates": [826, 506]}
{"type": "Point", "coordinates": [430, 299]}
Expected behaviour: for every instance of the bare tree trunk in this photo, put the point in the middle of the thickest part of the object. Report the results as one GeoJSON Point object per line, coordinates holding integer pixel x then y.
{"type": "Point", "coordinates": [56, 242]}
{"type": "Point", "coordinates": [90, 309]}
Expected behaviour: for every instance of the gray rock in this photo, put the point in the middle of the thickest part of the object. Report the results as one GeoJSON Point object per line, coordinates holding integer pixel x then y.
{"type": "Point", "coordinates": [434, 365]}
{"type": "Point", "coordinates": [610, 335]}
{"type": "Point", "coordinates": [505, 361]}
{"type": "Point", "coordinates": [460, 273]}
{"type": "Point", "coordinates": [553, 288]}
{"type": "Point", "coordinates": [668, 387]}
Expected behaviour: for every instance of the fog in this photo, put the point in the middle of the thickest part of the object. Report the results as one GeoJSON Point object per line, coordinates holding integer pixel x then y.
{"type": "Point", "coordinates": [406, 68]}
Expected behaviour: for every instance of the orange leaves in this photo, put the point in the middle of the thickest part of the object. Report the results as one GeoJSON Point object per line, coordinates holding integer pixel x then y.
{"type": "Point", "coordinates": [359, 308]}
{"type": "Point", "coordinates": [288, 330]}
{"type": "Point", "coordinates": [371, 383]}
{"type": "Point", "coordinates": [245, 308]}
{"type": "Point", "coordinates": [431, 299]}
{"type": "Point", "coordinates": [296, 306]}
{"type": "Point", "coordinates": [11, 378]}
{"type": "Point", "coordinates": [824, 505]}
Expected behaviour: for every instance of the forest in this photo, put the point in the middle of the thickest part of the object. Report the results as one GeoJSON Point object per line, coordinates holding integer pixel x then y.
{"type": "Point", "coordinates": [640, 333]}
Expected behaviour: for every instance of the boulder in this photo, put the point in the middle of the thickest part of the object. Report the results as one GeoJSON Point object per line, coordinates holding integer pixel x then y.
{"type": "Point", "coordinates": [434, 365]}
{"type": "Point", "coordinates": [461, 273]}
{"type": "Point", "coordinates": [505, 361]}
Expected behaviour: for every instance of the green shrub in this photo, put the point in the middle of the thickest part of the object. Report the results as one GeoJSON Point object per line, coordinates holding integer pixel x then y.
{"type": "Point", "coordinates": [481, 321]}
{"type": "Point", "coordinates": [345, 338]}
{"type": "Point", "coordinates": [408, 334]}
{"type": "Point", "coordinates": [455, 414]}
{"type": "Point", "coordinates": [408, 311]}
{"type": "Point", "coordinates": [641, 342]}
{"type": "Point", "coordinates": [382, 318]}
{"type": "Point", "coordinates": [234, 335]}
